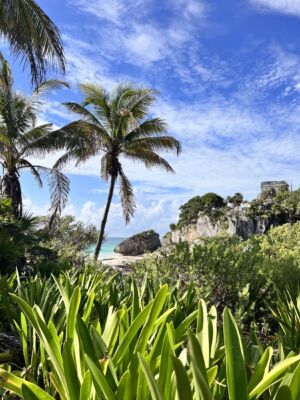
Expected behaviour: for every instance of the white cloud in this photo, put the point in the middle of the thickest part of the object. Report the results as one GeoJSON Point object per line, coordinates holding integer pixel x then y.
{"type": "Point", "coordinates": [145, 45]}
{"type": "Point", "coordinates": [291, 7]}
{"type": "Point", "coordinates": [110, 10]}
{"type": "Point", "coordinates": [32, 208]}
{"type": "Point", "coordinates": [113, 11]}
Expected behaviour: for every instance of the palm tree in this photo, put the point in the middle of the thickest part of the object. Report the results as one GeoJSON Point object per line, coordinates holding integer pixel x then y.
{"type": "Point", "coordinates": [21, 139]}
{"type": "Point", "coordinates": [114, 125]}
{"type": "Point", "coordinates": [31, 35]}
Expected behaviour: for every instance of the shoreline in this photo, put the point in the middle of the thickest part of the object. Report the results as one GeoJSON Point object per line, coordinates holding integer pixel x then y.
{"type": "Point", "coordinates": [119, 260]}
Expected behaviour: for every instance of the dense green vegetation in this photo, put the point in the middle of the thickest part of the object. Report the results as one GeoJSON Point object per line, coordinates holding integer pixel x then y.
{"type": "Point", "coordinates": [209, 203]}
{"type": "Point", "coordinates": [218, 320]}
{"type": "Point", "coordinates": [230, 272]}
{"type": "Point", "coordinates": [102, 336]}
{"type": "Point", "coordinates": [29, 244]}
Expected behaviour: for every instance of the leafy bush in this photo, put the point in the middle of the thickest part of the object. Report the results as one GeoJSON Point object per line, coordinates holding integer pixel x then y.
{"type": "Point", "coordinates": [105, 337]}
{"type": "Point", "coordinates": [230, 272]}
{"type": "Point", "coordinates": [207, 203]}
{"type": "Point", "coordinates": [236, 200]}
{"type": "Point", "coordinates": [69, 239]}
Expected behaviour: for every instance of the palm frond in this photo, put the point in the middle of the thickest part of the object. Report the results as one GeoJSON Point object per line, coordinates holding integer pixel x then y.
{"type": "Point", "coordinates": [162, 143]}
{"type": "Point", "coordinates": [140, 102]}
{"type": "Point", "coordinates": [32, 136]}
{"type": "Point", "coordinates": [33, 36]}
{"type": "Point", "coordinates": [97, 96]}
{"type": "Point", "coordinates": [50, 85]}
{"type": "Point", "coordinates": [34, 169]}
{"type": "Point", "coordinates": [148, 157]}
{"type": "Point", "coordinates": [121, 95]}
{"type": "Point", "coordinates": [6, 79]}
{"type": "Point", "coordinates": [149, 127]}
{"type": "Point", "coordinates": [59, 186]}
{"type": "Point", "coordinates": [127, 196]}
{"type": "Point", "coordinates": [82, 111]}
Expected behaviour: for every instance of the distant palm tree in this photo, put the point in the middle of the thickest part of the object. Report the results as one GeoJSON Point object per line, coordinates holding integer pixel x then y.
{"type": "Point", "coordinates": [31, 35]}
{"type": "Point", "coordinates": [21, 139]}
{"type": "Point", "coordinates": [116, 125]}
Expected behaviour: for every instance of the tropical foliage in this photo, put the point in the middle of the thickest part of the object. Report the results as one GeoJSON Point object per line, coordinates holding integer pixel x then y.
{"type": "Point", "coordinates": [20, 139]}
{"type": "Point", "coordinates": [115, 125]}
{"type": "Point", "coordinates": [219, 320]}
{"type": "Point", "coordinates": [230, 272]}
{"type": "Point", "coordinates": [99, 336]}
{"type": "Point", "coordinates": [208, 203]}
{"type": "Point", "coordinates": [32, 36]}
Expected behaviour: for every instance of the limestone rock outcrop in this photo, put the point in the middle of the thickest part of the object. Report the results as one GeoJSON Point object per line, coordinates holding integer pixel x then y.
{"type": "Point", "coordinates": [236, 222]}
{"type": "Point", "coordinates": [141, 243]}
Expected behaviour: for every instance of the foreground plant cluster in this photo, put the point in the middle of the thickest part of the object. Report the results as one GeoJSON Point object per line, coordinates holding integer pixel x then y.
{"type": "Point", "coordinates": [92, 334]}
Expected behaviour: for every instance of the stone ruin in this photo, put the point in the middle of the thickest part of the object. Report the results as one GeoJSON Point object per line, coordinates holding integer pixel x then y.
{"type": "Point", "coordinates": [273, 186]}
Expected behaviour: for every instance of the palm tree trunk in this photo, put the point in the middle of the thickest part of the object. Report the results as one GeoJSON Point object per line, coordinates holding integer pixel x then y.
{"type": "Point", "coordinates": [11, 188]}
{"type": "Point", "coordinates": [104, 219]}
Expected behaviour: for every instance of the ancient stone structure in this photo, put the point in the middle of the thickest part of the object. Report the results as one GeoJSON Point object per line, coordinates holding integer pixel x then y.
{"type": "Point", "coordinates": [141, 243]}
{"type": "Point", "coordinates": [275, 186]}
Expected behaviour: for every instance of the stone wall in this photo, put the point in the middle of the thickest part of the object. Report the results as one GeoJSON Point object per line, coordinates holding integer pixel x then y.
{"type": "Point", "coordinates": [273, 185]}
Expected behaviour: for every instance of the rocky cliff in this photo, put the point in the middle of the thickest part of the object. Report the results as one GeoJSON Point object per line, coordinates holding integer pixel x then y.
{"type": "Point", "coordinates": [237, 223]}
{"type": "Point", "coordinates": [141, 243]}
{"type": "Point", "coordinates": [210, 215]}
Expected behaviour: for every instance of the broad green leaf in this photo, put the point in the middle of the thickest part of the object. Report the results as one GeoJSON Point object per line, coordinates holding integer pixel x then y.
{"type": "Point", "coordinates": [213, 330]}
{"type": "Point", "coordinates": [271, 376]}
{"type": "Point", "coordinates": [16, 385]}
{"type": "Point", "coordinates": [111, 330]}
{"type": "Point", "coordinates": [235, 363]}
{"type": "Point", "coordinates": [72, 314]}
{"type": "Point", "coordinates": [183, 388]}
{"type": "Point", "coordinates": [88, 307]}
{"type": "Point", "coordinates": [100, 381]}
{"type": "Point", "coordinates": [153, 386]}
{"type": "Point", "coordinates": [295, 383]}
{"type": "Point", "coordinates": [135, 301]}
{"type": "Point", "coordinates": [212, 374]}
{"type": "Point", "coordinates": [86, 386]}
{"type": "Point", "coordinates": [165, 368]}
{"type": "Point", "coordinates": [196, 352]}
{"type": "Point", "coordinates": [152, 317]}
{"type": "Point", "coordinates": [202, 331]}
{"type": "Point", "coordinates": [261, 369]}
{"type": "Point", "coordinates": [32, 392]}
{"type": "Point", "coordinates": [70, 371]}
{"type": "Point", "coordinates": [130, 334]}
{"type": "Point", "coordinates": [181, 329]}
{"type": "Point", "coordinates": [124, 389]}
{"type": "Point", "coordinates": [201, 387]}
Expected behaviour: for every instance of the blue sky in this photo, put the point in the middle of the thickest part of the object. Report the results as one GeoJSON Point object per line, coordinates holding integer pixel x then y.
{"type": "Point", "coordinates": [229, 80]}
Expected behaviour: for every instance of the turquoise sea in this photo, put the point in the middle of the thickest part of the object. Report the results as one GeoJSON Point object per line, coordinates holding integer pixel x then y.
{"type": "Point", "coordinates": [107, 250]}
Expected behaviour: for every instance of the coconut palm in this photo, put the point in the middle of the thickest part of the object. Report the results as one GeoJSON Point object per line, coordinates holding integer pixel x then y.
{"type": "Point", "coordinates": [20, 140]}
{"type": "Point", "coordinates": [116, 125]}
{"type": "Point", "coordinates": [31, 35]}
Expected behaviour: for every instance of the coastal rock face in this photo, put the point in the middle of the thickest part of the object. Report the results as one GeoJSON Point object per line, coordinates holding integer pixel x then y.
{"type": "Point", "coordinates": [235, 224]}
{"type": "Point", "coordinates": [139, 244]}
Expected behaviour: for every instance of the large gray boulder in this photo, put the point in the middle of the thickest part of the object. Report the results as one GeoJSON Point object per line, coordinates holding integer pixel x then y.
{"type": "Point", "coordinates": [141, 243]}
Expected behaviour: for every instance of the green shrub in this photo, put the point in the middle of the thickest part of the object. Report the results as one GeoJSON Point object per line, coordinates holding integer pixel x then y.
{"type": "Point", "coordinates": [230, 272]}
{"type": "Point", "coordinates": [162, 346]}
{"type": "Point", "coordinates": [207, 203]}
{"type": "Point", "coordinates": [236, 200]}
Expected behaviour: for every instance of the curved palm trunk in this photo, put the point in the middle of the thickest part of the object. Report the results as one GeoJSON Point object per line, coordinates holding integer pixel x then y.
{"type": "Point", "coordinates": [104, 219]}
{"type": "Point", "coordinates": [11, 188]}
